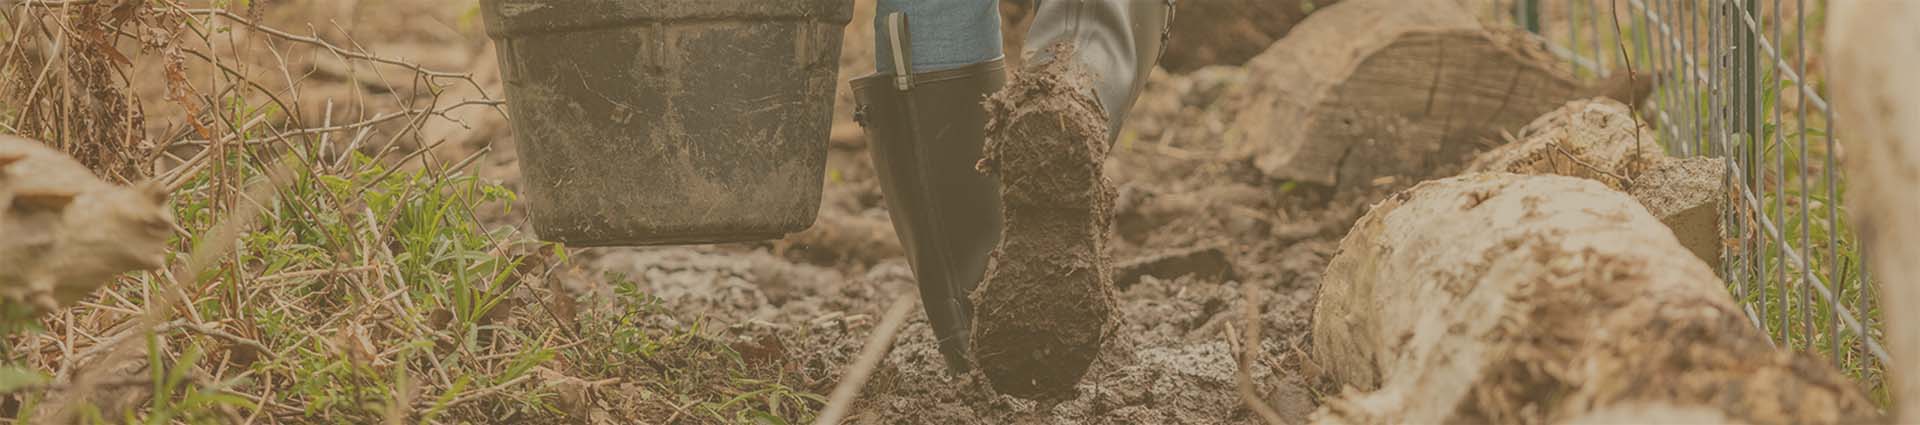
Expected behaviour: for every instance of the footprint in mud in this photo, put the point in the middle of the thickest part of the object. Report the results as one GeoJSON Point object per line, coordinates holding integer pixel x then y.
{"type": "Point", "coordinates": [1046, 305]}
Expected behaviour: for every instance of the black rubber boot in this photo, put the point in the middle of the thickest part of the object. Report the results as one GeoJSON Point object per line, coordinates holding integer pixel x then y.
{"type": "Point", "coordinates": [925, 132]}
{"type": "Point", "coordinates": [1119, 41]}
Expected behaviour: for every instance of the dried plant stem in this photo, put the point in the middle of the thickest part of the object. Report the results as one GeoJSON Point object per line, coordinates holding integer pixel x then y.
{"type": "Point", "coordinates": [878, 344]}
{"type": "Point", "coordinates": [1249, 349]}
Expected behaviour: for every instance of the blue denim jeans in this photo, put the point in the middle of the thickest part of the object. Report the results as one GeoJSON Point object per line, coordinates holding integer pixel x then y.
{"type": "Point", "coordinates": [945, 34]}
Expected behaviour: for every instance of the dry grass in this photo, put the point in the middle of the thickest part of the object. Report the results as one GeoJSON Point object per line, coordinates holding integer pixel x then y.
{"type": "Point", "coordinates": [332, 262]}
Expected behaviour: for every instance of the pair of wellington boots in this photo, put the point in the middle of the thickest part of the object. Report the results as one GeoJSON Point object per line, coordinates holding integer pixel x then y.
{"type": "Point", "coordinates": [927, 131]}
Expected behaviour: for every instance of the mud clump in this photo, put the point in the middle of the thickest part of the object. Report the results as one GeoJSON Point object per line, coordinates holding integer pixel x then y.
{"type": "Point", "coordinates": [1046, 305]}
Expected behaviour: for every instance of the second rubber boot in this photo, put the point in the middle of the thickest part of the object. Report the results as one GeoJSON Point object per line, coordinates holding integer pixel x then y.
{"type": "Point", "coordinates": [925, 132]}
{"type": "Point", "coordinates": [1046, 306]}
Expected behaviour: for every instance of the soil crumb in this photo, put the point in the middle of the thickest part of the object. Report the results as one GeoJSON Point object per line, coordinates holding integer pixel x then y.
{"type": "Point", "coordinates": [1046, 306]}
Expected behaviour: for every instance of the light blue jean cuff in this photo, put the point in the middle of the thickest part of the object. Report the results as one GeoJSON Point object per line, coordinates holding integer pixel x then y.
{"type": "Point", "coordinates": [945, 34]}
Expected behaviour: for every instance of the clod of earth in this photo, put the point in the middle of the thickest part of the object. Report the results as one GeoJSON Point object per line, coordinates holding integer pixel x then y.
{"type": "Point", "coordinates": [1414, 96]}
{"type": "Point", "coordinates": [64, 232]}
{"type": "Point", "coordinates": [1599, 139]}
{"type": "Point", "coordinates": [1505, 298]}
{"type": "Point", "coordinates": [1046, 305]}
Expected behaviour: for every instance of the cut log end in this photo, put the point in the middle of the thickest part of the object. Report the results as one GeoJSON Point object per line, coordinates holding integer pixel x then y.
{"type": "Point", "coordinates": [1415, 96]}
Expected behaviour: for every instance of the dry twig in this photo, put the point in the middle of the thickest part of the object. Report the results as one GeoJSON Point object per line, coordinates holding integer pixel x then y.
{"type": "Point", "coordinates": [855, 379]}
{"type": "Point", "coordinates": [1250, 349]}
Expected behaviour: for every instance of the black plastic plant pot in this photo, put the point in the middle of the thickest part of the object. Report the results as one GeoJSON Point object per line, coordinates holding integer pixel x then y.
{"type": "Point", "coordinates": [651, 122]}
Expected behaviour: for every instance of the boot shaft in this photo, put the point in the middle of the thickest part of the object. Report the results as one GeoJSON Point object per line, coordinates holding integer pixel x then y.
{"type": "Point", "coordinates": [925, 141]}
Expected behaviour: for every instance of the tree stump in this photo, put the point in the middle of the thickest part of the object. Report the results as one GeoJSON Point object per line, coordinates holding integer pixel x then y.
{"type": "Point", "coordinates": [1367, 91]}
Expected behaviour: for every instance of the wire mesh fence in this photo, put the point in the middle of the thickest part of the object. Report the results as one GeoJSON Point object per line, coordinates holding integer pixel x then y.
{"type": "Point", "coordinates": [1737, 80]}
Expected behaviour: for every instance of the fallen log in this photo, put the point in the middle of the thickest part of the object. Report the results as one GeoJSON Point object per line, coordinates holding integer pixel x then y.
{"type": "Point", "coordinates": [1599, 139]}
{"type": "Point", "coordinates": [1874, 49]}
{"type": "Point", "coordinates": [1366, 89]}
{"type": "Point", "coordinates": [1503, 298]}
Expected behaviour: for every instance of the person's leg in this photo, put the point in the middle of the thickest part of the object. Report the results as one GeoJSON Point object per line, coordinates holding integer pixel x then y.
{"type": "Point", "coordinates": [925, 132]}
{"type": "Point", "coordinates": [944, 34]}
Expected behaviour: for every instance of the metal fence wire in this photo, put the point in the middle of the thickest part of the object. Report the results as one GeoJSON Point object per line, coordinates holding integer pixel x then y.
{"type": "Point", "coordinates": [1732, 81]}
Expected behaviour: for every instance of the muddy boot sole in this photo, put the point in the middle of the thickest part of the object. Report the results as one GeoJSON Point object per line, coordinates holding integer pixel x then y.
{"type": "Point", "coordinates": [1046, 305]}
